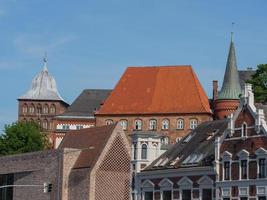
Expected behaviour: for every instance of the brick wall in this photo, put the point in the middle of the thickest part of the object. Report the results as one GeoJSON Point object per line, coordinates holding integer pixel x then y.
{"type": "Point", "coordinates": [172, 132]}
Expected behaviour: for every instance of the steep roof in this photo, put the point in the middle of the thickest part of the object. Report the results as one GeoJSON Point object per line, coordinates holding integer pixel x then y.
{"type": "Point", "coordinates": [86, 103]}
{"type": "Point", "coordinates": [244, 76]}
{"type": "Point", "coordinates": [96, 137]}
{"type": "Point", "coordinates": [231, 88]}
{"type": "Point", "coordinates": [43, 87]}
{"type": "Point", "coordinates": [163, 89]}
{"type": "Point", "coordinates": [196, 149]}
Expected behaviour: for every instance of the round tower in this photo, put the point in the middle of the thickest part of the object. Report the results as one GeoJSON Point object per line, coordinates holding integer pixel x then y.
{"type": "Point", "coordinates": [229, 96]}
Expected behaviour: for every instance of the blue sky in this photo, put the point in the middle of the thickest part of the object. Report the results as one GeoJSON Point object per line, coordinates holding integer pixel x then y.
{"type": "Point", "coordinates": [90, 43]}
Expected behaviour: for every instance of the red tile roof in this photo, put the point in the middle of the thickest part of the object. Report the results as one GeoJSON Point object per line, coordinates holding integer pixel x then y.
{"type": "Point", "coordinates": [96, 137]}
{"type": "Point", "coordinates": [154, 90]}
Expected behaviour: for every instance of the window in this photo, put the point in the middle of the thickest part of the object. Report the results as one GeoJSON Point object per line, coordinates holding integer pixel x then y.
{"type": "Point", "coordinates": [244, 130]}
{"type": "Point", "coordinates": [65, 127]}
{"type": "Point", "coordinates": [6, 193]}
{"type": "Point", "coordinates": [32, 109]}
{"type": "Point", "coordinates": [53, 109]}
{"type": "Point", "coordinates": [109, 121]}
{"type": "Point", "coordinates": [138, 124]}
{"type": "Point", "coordinates": [186, 194]}
{"type": "Point", "coordinates": [244, 169]}
{"type": "Point", "coordinates": [165, 124]}
{"type": "Point", "coordinates": [227, 170]}
{"type": "Point", "coordinates": [124, 124]}
{"type": "Point", "coordinates": [135, 151]}
{"type": "Point", "coordinates": [148, 196]}
{"type": "Point", "coordinates": [45, 124]}
{"type": "Point", "coordinates": [262, 168]}
{"type": "Point", "coordinates": [152, 124]}
{"type": "Point", "coordinates": [45, 109]}
{"type": "Point", "coordinates": [193, 123]}
{"type": "Point", "coordinates": [25, 108]}
{"type": "Point", "coordinates": [144, 151]}
{"type": "Point", "coordinates": [39, 109]}
{"type": "Point", "coordinates": [180, 124]}
{"type": "Point", "coordinates": [207, 194]}
{"type": "Point", "coordinates": [78, 127]}
{"type": "Point", "coordinates": [262, 198]}
{"type": "Point", "coordinates": [167, 195]}
{"type": "Point", "coordinates": [243, 198]}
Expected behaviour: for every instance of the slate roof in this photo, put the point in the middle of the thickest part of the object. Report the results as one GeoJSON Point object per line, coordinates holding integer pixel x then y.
{"type": "Point", "coordinates": [43, 87]}
{"type": "Point", "coordinates": [244, 76]}
{"type": "Point", "coordinates": [96, 137]}
{"type": "Point", "coordinates": [196, 149]}
{"type": "Point", "coordinates": [152, 90]}
{"type": "Point", "coordinates": [231, 88]}
{"type": "Point", "coordinates": [86, 103]}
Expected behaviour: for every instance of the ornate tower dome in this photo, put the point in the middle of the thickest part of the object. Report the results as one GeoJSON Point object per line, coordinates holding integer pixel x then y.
{"type": "Point", "coordinates": [43, 87]}
{"type": "Point", "coordinates": [228, 98]}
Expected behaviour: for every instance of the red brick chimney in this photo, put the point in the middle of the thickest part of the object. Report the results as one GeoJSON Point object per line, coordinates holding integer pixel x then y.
{"type": "Point", "coordinates": [215, 89]}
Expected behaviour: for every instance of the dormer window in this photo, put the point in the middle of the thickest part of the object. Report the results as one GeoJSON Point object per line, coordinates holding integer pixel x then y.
{"type": "Point", "coordinates": [165, 124]}
{"type": "Point", "coordinates": [152, 124]}
{"type": "Point", "coordinates": [138, 124]}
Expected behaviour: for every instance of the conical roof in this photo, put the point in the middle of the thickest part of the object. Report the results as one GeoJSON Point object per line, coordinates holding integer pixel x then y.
{"type": "Point", "coordinates": [43, 87]}
{"type": "Point", "coordinates": [231, 88]}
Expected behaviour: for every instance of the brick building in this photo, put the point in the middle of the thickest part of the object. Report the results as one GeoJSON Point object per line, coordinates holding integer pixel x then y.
{"type": "Point", "coordinates": [42, 102]}
{"type": "Point", "coordinates": [222, 159]}
{"type": "Point", "coordinates": [80, 114]}
{"type": "Point", "coordinates": [167, 99]}
{"type": "Point", "coordinates": [90, 164]}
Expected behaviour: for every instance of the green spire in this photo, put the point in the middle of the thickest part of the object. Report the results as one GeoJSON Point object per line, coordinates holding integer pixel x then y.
{"type": "Point", "coordinates": [231, 88]}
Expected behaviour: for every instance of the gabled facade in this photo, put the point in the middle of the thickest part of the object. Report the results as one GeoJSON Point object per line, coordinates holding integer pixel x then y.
{"type": "Point", "coordinates": [167, 99]}
{"type": "Point", "coordinates": [222, 160]}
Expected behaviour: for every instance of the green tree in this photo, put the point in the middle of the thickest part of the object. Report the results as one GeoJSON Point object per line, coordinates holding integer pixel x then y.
{"type": "Point", "coordinates": [259, 83]}
{"type": "Point", "coordinates": [22, 137]}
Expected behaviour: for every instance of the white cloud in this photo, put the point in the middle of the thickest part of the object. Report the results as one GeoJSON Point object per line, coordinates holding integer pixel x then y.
{"type": "Point", "coordinates": [38, 44]}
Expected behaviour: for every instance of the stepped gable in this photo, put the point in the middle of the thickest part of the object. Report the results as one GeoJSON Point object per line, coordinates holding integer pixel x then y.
{"type": "Point", "coordinates": [154, 90]}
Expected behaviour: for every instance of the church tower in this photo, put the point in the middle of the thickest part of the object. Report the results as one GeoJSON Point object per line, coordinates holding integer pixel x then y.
{"type": "Point", "coordinates": [228, 98]}
{"type": "Point", "coordinates": [42, 101]}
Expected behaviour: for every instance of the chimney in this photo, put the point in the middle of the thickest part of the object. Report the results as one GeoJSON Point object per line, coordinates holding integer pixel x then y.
{"type": "Point", "coordinates": [215, 89]}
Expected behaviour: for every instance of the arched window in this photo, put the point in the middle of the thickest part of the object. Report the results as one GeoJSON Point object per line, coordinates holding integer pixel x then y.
{"type": "Point", "coordinates": [25, 109]}
{"type": "Point", "coordinates": [39, 109]}
{"type": "Point", "coordinates": [152, 124]}
{"type": "Point", "coordinates": [124, 124]}
{"type": "Point", "coordinates": [180, 124]}
{"type": "Point", "coordinates": [32, 110]}
{"type": "Point", "coordinates": [165, 124]}
{"type": "Point", "coordinates": [39, 122]}
{"type": "Point", "coordinates": [53, 109]}
{"type": "Point", "coordinates": [138, 124]}
{"type": "Point", "coordinates": [144, 151]}
{"type": "Point", "coordinates": [45, 109]}
{"type": "Point", "coordinates": [45, 124]}
{"type": "Point", "coordinates": [193, 123]}
{"type": "Point", "coordinates": [244, 130]}
{"type": "Point", "coordinates": [109, 122]}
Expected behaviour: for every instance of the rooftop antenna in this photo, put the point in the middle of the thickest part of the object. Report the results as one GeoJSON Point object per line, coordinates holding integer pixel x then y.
{"type": "Point", "coordinates": [232, 32]}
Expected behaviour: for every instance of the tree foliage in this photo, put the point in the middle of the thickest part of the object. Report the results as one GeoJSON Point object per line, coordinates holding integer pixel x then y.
{"type": "Point", "coordinates": [22, 137]}
{"type": "Point", "coordinates": [259, 83]}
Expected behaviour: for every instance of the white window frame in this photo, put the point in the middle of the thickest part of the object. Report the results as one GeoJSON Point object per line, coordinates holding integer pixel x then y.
{"type": "Point", "coordinates": [124, 124]}
{"type": "Point", "coordinates": [193, 123]}
{"type": "Point", "coordinates": [138, 124]}
{"type": "Point", "coordinates": [109, 122]}
{"type": "Point", "coordinates": [180, 124]}
{"type": "Point", "coordinates": [152, 124]}
{"type": "Point", "coordinates": [165, 124]}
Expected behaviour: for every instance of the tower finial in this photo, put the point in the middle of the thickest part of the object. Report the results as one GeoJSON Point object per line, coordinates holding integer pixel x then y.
{"type": "Point", "coordinates": [45, 61]}
{"type": "Point", "coordinates": [232, 32]}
